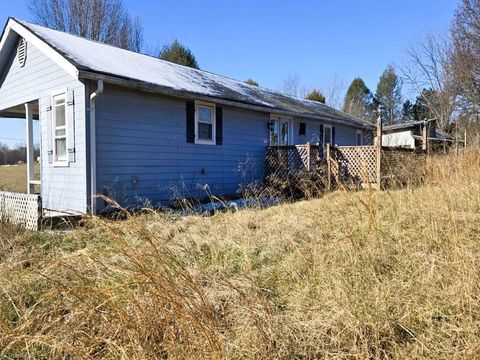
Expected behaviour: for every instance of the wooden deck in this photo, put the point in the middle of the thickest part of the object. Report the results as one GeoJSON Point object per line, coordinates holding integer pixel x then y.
{"type": "Point", "coordinates": [284, 160]}
{"type": "Point", "coordinates": [337, 164]}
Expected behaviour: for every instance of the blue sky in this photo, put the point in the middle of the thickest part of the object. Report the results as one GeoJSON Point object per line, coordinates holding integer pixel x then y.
{"type": "Point", "coordinates": [268, 40]}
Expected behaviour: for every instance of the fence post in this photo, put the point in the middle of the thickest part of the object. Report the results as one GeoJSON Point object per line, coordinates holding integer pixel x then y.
{"type": "Point", "coordinates": [329, 170]}
{"type": "Point", "coordinates": [308, 156]}
{"type": "Point", "coordinates": [379, 151]}
{"type": "Point", "coordinates": [40, 213]}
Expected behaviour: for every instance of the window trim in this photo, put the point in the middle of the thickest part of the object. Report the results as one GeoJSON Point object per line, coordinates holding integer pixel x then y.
{"type": "Point", "coordinates": [214, 123]}
{"type": "Point", "coordinates": [359, 132]}
{"type": "Point", "coordinates": [59, 163]}
{"type": "Point", "coordinates": [325, 126]}
{"type": "Point", "coordinates": [274, 117]}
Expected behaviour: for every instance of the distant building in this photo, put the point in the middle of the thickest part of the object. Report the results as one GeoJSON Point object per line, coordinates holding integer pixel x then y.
{"type": "Point", "coordinates": [413, 135]}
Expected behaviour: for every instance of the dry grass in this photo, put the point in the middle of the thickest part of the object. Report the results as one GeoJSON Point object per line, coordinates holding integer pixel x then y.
{"type": "Point", "coordinates": [14, 178]}
{"type": "Point", "coordinates": [378, 275]}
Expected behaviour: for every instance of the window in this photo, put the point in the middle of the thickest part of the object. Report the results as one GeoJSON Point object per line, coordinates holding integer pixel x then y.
{"type": "Point", "coordinates": [205, 123]}
{"type": "Point", "coordinates": [303, 129]}
{"type": "Point", "coordinates": [59, 127]}
{"type": "Point", "coordinates": [327, 135]}
{"type": "Point", "coordinates": [279, 129]}
{"type": "Point", "coordinates": [359, 138]}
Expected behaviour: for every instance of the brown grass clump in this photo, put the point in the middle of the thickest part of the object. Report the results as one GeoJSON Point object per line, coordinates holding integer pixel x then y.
{"type": "Point", "coordinates": [366, 274]}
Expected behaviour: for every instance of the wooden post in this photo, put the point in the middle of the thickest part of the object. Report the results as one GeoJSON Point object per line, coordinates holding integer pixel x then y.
{"type": "Point", "coordinates": [308, 156]}
{"type": "Point", "coordinates": [29, 145]}
{"type": "Point", "coordinates": [465, 139]}
{"type": "Point", "coordinates": [379, 151]}
{"type": "Point", "coordinates": [329, 170]}
{"type": "Point", "coordinates": [424, 137]}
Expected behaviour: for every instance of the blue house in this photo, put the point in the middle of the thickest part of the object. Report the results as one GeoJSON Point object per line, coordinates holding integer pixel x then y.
{"type": "Point", "coordinates": [136, 128]}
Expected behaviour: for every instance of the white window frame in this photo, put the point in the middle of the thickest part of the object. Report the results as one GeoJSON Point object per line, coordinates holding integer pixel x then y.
{"type": "Point", "coordinates": [214, 123]}
{"type": "Point", "coordinates": [279, 118]}
{"type": "Point", "coordinates": [359, 132]}
{"type": "Point", "coordinates": [331, 135]}
{"type": "Point", "coordinates": [59, 163]}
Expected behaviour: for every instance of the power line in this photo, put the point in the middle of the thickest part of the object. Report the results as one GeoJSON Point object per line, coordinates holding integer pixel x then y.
{"type": "Point", "coordinates": [2, 138]}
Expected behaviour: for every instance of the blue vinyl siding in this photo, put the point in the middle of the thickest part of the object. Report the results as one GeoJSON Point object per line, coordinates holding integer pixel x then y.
{"type": "Point", "coordinates": [63, 189]}
{"type": "Point", "coordinates": [344, 136]}
{"type": "Point", "coordinates": [143, 156]}
{"type": "Point", "coordinates": [142, 151]}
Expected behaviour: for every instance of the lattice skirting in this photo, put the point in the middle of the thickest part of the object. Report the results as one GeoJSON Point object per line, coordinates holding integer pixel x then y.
{"type": "Point", "coordinates": [22, 209]}
{"type": "Point", "coordinates": [356, 163]}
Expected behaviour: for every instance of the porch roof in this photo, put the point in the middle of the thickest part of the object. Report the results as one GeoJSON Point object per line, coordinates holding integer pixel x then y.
{"type": "Point", "coordinates": [18, 111]}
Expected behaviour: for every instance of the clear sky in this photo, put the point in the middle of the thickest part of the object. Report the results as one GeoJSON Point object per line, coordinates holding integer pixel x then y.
{"type": "Point", "coordinates": [267, 40]}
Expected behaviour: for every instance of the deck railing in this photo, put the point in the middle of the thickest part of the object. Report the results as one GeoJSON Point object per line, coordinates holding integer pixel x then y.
{"type": "Point", "coordinates": [22, 209]}
{"type": "Point", "coordinates": [284, 160]}
{"type": "Point", "coordinates": [339, 164]}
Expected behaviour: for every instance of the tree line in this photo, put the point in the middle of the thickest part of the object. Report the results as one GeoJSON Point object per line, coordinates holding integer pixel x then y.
{"type": "Point", "coordinates": [441, 70]}
{"type": "Point", "coordinates": [16, 155]}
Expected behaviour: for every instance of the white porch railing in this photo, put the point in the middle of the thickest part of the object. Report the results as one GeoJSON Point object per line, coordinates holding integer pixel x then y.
{"type": "Point", "coordinates": [22, 209]}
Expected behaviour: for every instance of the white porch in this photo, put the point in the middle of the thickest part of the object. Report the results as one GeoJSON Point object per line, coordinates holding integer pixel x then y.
{"type": "Point", "coordinates": [24, 208]}
{"type": "Point", "coordinates": [30, 113]}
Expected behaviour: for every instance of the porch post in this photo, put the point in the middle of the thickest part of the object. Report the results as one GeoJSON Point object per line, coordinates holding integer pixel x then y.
{"type": "Point", "coordinates": [29, 144]}
{"type": "Point", "coordinates": [379, 151]}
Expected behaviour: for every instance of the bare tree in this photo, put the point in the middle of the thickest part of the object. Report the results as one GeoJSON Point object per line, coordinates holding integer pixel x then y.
{"type": "Point", "coordinates": [466, 54]}
{"type": "Point", "coordinates": [429, 66]}
{"type": "Point", "coordinates": [334, 89]}
{"type": "Point", "coordinates": [293, 86]}
{"type": "Point", "coordinates": [106, 21]}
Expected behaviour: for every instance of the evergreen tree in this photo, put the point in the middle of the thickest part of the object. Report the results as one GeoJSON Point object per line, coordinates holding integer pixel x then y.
{"type": "Point", "coordinates": [178, 54]}
{"type": "Point", "coordinates": [421, 110]}
{"type": "Point", "coordinates": [316, 95]}
{"type": "Point", "coordinates": [407, 111]}
{"type": "Point", "coordinates": [358, 100]}
{"type": "Point", "coordinates": [251, 82]}
{"type": "Point", "coordinates": [389, 96]}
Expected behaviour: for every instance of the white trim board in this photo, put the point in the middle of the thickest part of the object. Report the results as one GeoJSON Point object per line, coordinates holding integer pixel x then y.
{"type": "Point", "coordinates": [41, 45]}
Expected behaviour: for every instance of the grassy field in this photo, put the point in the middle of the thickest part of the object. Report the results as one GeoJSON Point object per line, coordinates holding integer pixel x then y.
{"type": "Point", "coordinates": [14, 178]}
{"type": "Point", "coordinates": [353, 275]}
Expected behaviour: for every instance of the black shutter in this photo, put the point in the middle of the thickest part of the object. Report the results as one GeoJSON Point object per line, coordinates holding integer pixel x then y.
{"type": "Point", "coordinates": [219, 125]}
{"type": "Point", "coordinates": [190, 122]}
{"type": "Point", "coordinates": [333, 135]}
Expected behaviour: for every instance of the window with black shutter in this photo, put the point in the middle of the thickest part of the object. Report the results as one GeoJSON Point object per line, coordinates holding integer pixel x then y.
{"type": "Point", "coordinates": [204, 123]}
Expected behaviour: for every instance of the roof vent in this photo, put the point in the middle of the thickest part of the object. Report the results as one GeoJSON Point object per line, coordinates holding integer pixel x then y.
{"type": "Point", "coordinates": [22, 52]}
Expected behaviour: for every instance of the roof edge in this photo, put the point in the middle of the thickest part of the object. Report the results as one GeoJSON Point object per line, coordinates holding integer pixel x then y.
{"type": "Point", "coordinates": [164, 90]}
{"type": "Point", "coordinates": [41, 44]}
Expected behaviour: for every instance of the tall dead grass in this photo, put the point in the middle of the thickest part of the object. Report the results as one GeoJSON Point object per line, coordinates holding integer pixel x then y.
{"type": "Point", "coordinates": [392, 274]}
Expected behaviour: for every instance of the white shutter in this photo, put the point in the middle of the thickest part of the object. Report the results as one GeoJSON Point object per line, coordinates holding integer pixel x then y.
{"type": "Point", "coordinates": [71, 125]}
{"type": "Point", "coordinates": [48, 112]}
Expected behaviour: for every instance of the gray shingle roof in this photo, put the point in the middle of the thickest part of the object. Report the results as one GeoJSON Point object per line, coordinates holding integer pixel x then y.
{"type": "Point", "coordinates": [97, 58]}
